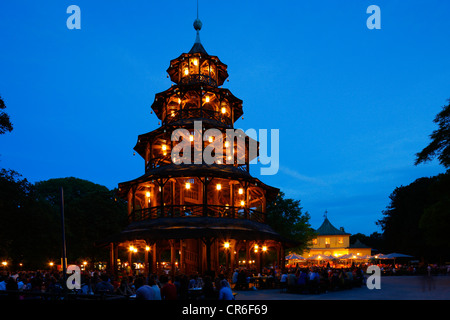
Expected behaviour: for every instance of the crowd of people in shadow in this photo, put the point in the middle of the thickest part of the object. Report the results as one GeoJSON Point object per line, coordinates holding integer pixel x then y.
{"type": "Point", "coordinates": [210, 286]}
{"type": "Point", "coordinates": [316, 280]}
{"type": "Point", "coordinates": [50, 285]}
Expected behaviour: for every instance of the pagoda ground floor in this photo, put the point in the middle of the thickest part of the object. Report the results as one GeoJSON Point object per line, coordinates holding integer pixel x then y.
{"type": "Point", "coordinates": [194, 256]}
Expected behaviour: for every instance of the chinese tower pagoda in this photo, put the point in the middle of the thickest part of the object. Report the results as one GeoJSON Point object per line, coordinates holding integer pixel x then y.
{"type": "Point", "coordinates": [197, 213]}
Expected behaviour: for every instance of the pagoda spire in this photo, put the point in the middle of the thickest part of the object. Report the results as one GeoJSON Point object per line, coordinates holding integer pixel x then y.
{"type": "Point", "coordinates": [197, 47]}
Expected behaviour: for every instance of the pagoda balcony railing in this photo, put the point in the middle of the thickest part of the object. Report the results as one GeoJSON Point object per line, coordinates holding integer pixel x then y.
{"type": "Point", "coordinates": [198, 78]}
{"type": "Point", "coordinates": [157, 162]}
{"type": "Point", "coordinates": [197, 210]}
{"type": "Point", "coordinates": [189, 113]}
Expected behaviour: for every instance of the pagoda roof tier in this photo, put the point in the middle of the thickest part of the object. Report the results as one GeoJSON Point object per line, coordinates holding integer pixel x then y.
{"type": "Point", "coordinates": [161, 99]}
{"type": "Point", "coordinates": [187, 124]}
{"type": "Point", "coordinates": [196, 228]}
{"type": "Point", "coordinates": [197, 51]}
{"type": "Point", "coordinates": [198, 170]}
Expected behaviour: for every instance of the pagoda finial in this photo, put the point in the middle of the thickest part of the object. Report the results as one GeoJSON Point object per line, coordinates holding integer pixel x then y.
{"type": "Point", "coordinates": [197, 27]}
{"type": "Point", "coordinates": [197, 47]}
{"type": "Point", "coordinates": [325, 214]}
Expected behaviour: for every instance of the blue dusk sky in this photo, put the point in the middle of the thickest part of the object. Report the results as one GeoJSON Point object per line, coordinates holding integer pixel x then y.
{"type": "Point", "coordinates": [352, 105]}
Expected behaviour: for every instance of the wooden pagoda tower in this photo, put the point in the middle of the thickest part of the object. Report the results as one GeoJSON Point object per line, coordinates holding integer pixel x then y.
{"type": "Point", "coordinates": [196, 211]}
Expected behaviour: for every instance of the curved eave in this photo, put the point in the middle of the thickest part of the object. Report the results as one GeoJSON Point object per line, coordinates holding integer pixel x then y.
{"type": "Point", "coordinates": [143, 139]}
{"type": "Point", "coordinates": [196, 228]}
{"type": "Point", "coordinates": [197, 170]}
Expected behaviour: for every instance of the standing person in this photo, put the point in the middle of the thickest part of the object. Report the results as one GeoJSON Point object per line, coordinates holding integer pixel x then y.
{"type": "Point", "coordinates": [235, 276]}
{"type": "Point", "coordinates": [168, 290]}
{"type": "Point", "coordinates": [143, 291]}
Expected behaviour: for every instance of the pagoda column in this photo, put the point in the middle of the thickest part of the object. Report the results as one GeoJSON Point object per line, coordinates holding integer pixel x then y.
{"type": "Point", "coordinates": [181, 264]}
{"type": "Point", "coordinates": [112, 266]}
{"type": "Point", "coordinates": [154, 264]}
{"type": "Point", "coordinates": [172, 256]}
{"type": "Point", "coordinates": [146, 266]}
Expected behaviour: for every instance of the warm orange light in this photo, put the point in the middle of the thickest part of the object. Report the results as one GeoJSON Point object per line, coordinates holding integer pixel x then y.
{"type": "Point", "coordinates": [227, 144]}
{"type": "Point", "coordinates": [218, 186]}
{"type": "Point", "coordinates": [186, 71]}
{"type": "Point", "coordinates": [264, 248]}
{"type": "Point", "coordinates": [226, 245]}
{"type": "Point", "coordinates": [4, 263]}
{"type": "Point", "coordinates": [147, 194]}
{"type": "Point", "coordinates": [241, 191]}
{"type": "Point", "coordinates": [191, 138]}
{"type": "Point", "coordinates": [164, 147]}
{"type": "Point", "coordinates": [188, 185]}
{"type": "Point", "coordinates": [242, 203]}
{"type": "Point", "coordinates": [147, 248]}
{"type": "Point", "coordinates": [84, 262]}
{"type": "Point", "coordinates": [223, 110]}
{"type": "Point", "coordinates": [210, 139]}
{"type": "Point", "coordinates": [195, 62]}
{"type": "Point", "coordinates": [207, 99]}
{"type": "Point", "coordinates": [51, 264]}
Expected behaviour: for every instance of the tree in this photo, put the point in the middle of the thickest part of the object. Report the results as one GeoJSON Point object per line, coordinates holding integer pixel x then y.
{"type": "Point", "coordinates": [91, 211]}
{"type": "Point", "coordinates": [5, 123]}
{"type": "Point", "coordinates": [418, 218]}
{"type": "Point", "coordinates": [31, 221]}
{"type": "Point", "coordinates": [440, 140]}
{"type": "Point", "coordinates": [285, 216]}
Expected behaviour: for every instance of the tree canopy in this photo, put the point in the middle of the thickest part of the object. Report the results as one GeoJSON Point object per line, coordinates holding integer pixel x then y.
{"type": "Point", "coordinates": [285, 216]}
{"type": "Point", "coordinates": [417, 221]}
{"type": "Point", "coordinates": [440, 140]}
{"type": "Point", "coordinates": [5, 122]}
{"type": "Point", "coordinates": [31, 213]}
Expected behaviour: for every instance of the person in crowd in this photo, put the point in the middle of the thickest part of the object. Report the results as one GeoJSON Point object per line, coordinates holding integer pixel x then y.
{"type": "Point", "coordinates": [209, 291]}
{"type": "Point", "coordinates": [225, 292]}
{"type": "Point", "coordinates": [104, 286]}
{"type": "Point", "coordinates": [125, 288]}
{"type": "Point", "coordinates": [155, 287]}
{"type": "Point", "coordinates": [143, 291]}
{"type": "Point", "coordinates": [168, 289]}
